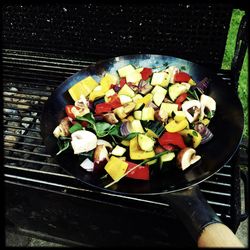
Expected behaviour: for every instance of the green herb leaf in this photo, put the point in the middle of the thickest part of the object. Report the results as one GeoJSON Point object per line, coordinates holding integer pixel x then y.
{"type": "Point", "coordinates": [210, 114]}
{"type": "Point", "coordinates": [63, 145]}
{"type": "Point", "coordinates": [194, 133]}
{"type": "Point", "coordinates": [103, 129]}
{"type": "Point", "coordinates": [131, 136]}
{"type": "Point", "coordinates": [75, 127]}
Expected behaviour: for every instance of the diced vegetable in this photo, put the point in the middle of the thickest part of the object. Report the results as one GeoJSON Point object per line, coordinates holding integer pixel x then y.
{"type": "Point", "coordinates": [145, 142]}
{"type": "Point", "coordinates": [195, 135]}
{"type": "Point", "coordinates": [154, 129]}
{"type": "Point", "coordinates": [116, 168]}
{"type": "Point", "coordinates": [83, 87]}
{"type": "Point", "coordinates": [138, 114]}
{"type": "Point", "coordinates": [136, 153]}
{"type": "Point", "coordinates": [107, 81]}
{"type": "Point", "coordinates": [176, 90]}
{"type": "Point", "coordinates": [125, 99]}
{"type": "Point", "coordinates": [159, 78]}
{"type": "Point", "coordinates": [166, 109]}
{"type": "Point", "coordinates": [120, 112]}
{"type": "Point", "coordinates": [102, 108]}
{"type": "Point", "coordinates": [166, 158]}
{"type": "Point", "coordinates": [140, 172]}
{"type": "Point", "coordinates": [133, 77]}
{"type": "Point", "coordinates": [172, 139]}
{"type": "Point", "coordinates": [146, 73]}
{"type": "Point", "coordinates": [175, 126]}
{"type": "Point", "coordinates": [147, 114]}
{"type": "Point", "coordinates": [118, 151]}
{"type": "Point", "coordinates": [97, 93]}
{"type": "Point", "coordinates": [159, 94]}
{"type": "Point", "coordinates": [126, 90]}
{"type": "Point", "coordinates": [83, 141]}
{"type": "Point", "coordinates": [181, 77]}
{"type": "Point", "coordinates": [126, 70]}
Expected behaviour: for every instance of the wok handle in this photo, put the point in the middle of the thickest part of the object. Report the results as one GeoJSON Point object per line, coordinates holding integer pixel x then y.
{"type": "Point", "coordinates": [200, 219]}
{"type": "Point", "coordinates": [218, 235]}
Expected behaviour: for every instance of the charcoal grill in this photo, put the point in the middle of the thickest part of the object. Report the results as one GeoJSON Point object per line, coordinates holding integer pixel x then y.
{"type": "Point", "coordinates": [46, 43]}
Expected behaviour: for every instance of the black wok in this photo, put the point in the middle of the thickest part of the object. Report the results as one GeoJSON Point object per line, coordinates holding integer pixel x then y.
{"type": "Point", "coordinates": [226, 125]}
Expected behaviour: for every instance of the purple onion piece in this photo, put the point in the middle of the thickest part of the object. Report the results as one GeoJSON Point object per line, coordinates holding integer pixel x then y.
{"type": "Point", "coordinates": [116, 88]}
{"type": "Point", "coordinates": [124, 129]}
{"type": "Point", "coordinates": [202, 85]}
{"type": "Point", "coordinates": [204, 131]}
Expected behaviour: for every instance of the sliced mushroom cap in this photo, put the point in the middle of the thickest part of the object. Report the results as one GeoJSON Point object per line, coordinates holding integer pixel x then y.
{"type": "Point", "coordinates": [187, 157]}
{"type": "Point", "coordinates": [207, 102]}
{"type": "Point", "coordinates": [63, 128]}
{"type": "Point", "coordinates": [110, 118]}
{"type": "Point", "coordinates": [187, 105]}
{"type": "Point", "coordinates": [82, 102]}
{"type": "Point", "coordinates": [101, 157]}
{"type": "Point", "coordinates": [83, 141]}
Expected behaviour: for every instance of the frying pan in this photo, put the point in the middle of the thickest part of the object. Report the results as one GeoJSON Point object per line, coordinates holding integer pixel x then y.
{"type": "Point", "coordinates": [177, 187]}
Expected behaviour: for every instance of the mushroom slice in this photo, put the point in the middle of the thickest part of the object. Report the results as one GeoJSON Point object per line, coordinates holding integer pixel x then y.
{"type": "Point", "coordinates": [63, 128]}
{"type": "Point", "coordinates": [209, 103]}
{"type": "Point", "coordinates": [88, 165]}
{"type": "Point", "coordinates": [105, 143]}
{"type": "Point", "coordinates": [187, 157]}
{"type": "Point", "coordinates": [101, 157]}
{"type": "Point", "coordinates": [110, 118]}
{"type": "Point", "coordinates": [82, 102]}
{"type": "Point", "coordinates": [83, 141]}
{"type": "Point", "coordinates": [194, 105]}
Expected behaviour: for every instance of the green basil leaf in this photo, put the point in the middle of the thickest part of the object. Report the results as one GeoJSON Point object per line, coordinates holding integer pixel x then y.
{"type": "Point", "coordinates": [63, 145]}
{"type": "Point", "coordinates": [103, 129]}
{"type": "Point", "coordinates": [131, 136]}
{"type": "Point", "coordinates": [75, 127]}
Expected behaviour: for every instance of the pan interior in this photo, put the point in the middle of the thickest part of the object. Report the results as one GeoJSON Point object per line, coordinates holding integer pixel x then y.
{"type": "Point", "coordinates": [226, 125]}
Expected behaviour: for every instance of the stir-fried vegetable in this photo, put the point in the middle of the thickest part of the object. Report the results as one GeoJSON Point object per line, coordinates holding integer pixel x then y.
{"type": "Point", "coordinates": [154, 117]}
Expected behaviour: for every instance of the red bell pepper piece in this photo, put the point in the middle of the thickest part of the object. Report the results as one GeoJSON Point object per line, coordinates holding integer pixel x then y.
{"type": "Point", "coordinates": [140, 172]}
{"type": "Point", "coordinates": [180, 99]}
{"type": "Point", "coordinates": [68, 110]}
{"type": "Point", "coordinates": [181, 77]}
{"type": "Point", "coordinates": [171, 139]}
{"type": "Point", "coordinates": [146, 73]}
{"type": "Point", "coordinates": [122, 82]}
{"type": "Point", "coordinates": [115, 101]}
{"type": "Point", "coordinates": [103, 107]}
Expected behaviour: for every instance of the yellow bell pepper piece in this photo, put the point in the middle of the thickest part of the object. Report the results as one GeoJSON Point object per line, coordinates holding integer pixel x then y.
{"type": "Point", "coordinates": [144, 100]}
{"type": "Point", "coordinates": [107, 81]}
{"type": "Point", "coordinates": [175, 126]}
{"type": "Point", "coordinates": [96, 93]}
{"type": "Point", "coordinates": [83, 87]}
{"type": "Point", "coordinates": [205, 121]}
{"type": "Point", "coordinates": [196, 137]}
{"type": "Point", "coordinates": [136, 153]}
{"type": "Point", "coordinates": [116, 168]}
{"type": "Point", "coordinates": [179, 116]}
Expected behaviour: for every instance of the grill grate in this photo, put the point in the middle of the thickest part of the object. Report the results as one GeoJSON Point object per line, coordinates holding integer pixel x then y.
{"type": "Point", "coordinates": [25, 158]}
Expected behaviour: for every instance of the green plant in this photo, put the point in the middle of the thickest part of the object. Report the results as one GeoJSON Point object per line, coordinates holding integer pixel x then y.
{"type": "Point", "coordinates": [226, 64]}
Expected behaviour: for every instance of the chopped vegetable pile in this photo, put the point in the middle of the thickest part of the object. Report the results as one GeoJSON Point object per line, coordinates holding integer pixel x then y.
{"type": "Point", "coordinates": [137, 122]}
